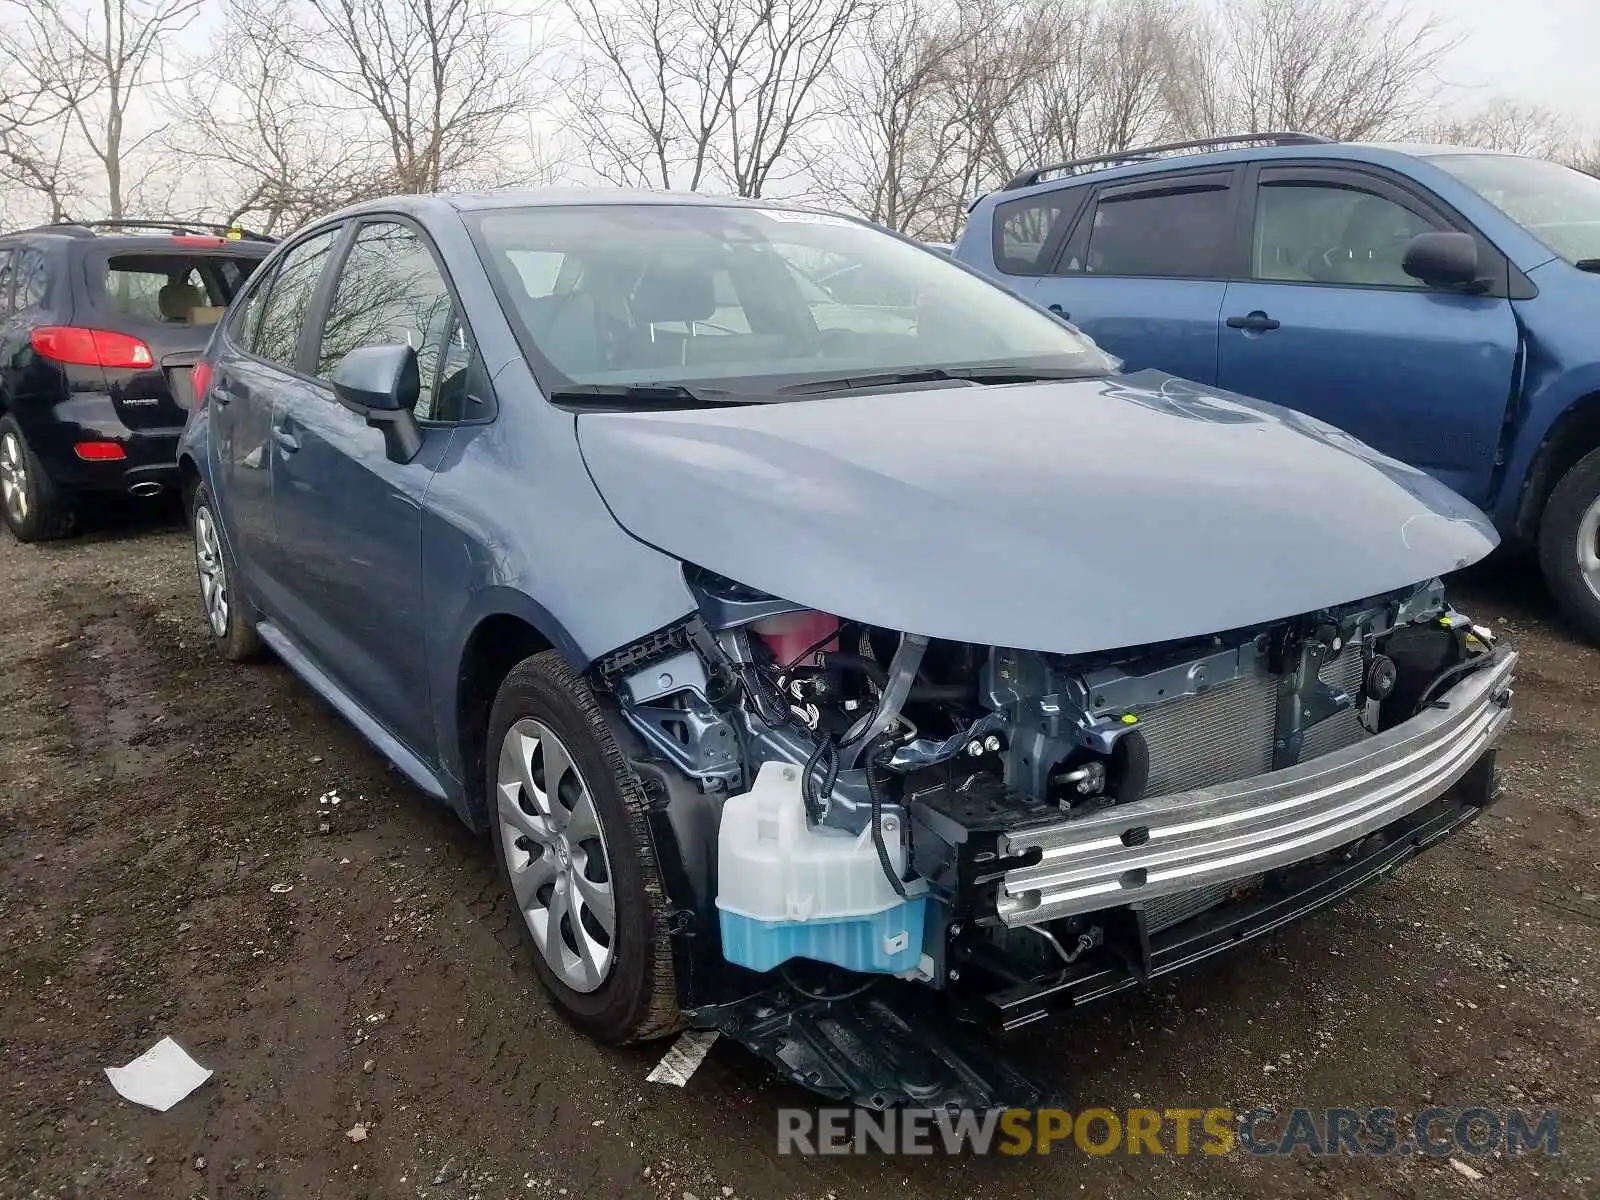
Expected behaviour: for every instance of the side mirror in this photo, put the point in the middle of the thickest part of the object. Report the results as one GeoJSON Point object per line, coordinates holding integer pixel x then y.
{"type": "Point", "coordinates": [1442, 260]}
{"type": "Point", "coordinates": [382, 384]}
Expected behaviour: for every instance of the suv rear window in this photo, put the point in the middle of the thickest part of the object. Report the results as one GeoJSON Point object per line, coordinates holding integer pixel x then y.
{"type": "Point", "coordinates": [172, 289]}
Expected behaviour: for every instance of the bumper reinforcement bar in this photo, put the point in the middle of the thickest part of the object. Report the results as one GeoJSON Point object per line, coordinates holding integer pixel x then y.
{"type": "Point", "coordinates": [1177, 843]}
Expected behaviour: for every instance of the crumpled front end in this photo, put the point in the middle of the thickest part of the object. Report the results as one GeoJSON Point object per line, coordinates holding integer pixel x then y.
{"type": "Point", "coordinates": [1018, 830]}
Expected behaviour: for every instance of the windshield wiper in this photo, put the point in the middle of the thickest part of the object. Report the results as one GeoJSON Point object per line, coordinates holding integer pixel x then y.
{"type": "Point", "coordinates": [655, 395]}
{"type": "Point", "coordinates": [998, 373]}
{"type": "Point", "coordinates": [1592, 265]}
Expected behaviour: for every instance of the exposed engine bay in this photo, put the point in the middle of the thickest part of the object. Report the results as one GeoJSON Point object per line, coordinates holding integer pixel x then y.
{"type": "Point", "coordinates": [898, 805]}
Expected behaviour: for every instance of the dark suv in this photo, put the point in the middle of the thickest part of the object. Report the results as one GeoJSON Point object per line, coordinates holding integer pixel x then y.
{"type": "Point", "coordinates": [100, 323]}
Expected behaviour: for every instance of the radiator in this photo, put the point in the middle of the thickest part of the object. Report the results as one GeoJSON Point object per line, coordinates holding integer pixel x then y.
{"type": "Point", "coordinates": [1167, 911]}
{"type": "Point", "coordinates": [1225, 734]}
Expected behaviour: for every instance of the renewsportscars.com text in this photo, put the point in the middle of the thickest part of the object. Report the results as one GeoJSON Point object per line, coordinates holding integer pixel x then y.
{"type": "Point", "coordinates": [1372, 1132]}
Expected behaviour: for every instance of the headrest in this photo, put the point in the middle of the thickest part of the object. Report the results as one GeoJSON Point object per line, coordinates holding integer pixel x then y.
{"type": "Point", "coordinates": [177, 300]}
{"type": "Point", "coordinates": [670, 291]}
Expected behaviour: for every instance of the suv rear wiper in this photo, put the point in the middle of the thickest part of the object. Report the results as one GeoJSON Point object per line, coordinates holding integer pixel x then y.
{"type": "Point", "coordinates": [998, 373]}
{"type": "Point", "coordinates": [659, 395]}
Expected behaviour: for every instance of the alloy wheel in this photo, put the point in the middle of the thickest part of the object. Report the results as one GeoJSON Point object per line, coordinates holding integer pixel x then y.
{"type": "Point", "coordinates": [13, 478]}
{"type": "Point", "coordinates": [1588, 547]}
{"type": "Point", "coordinates": [555, 852]}
{"type": "Point", "coordinates": [213, 571]}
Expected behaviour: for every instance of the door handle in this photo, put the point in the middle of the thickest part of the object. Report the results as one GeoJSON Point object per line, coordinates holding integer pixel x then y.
{"type": "Point", "coordinates": [285, 439]}
{"type": "Point", "coordinates": [1256, 322]}
{"type": "Point", "coordinates": [1061, 312]}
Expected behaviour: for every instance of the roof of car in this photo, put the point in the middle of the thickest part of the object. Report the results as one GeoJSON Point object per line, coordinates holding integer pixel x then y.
{"type": "Point", "coordinates": [138, 227]}
{"type": "Point", "coordinates": [1390, 153]}
{"type": "Point", "coordinates": [548, 198]}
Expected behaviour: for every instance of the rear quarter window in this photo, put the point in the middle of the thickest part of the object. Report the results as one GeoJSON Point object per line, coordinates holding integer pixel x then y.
{"type": "Point", "coordinates": [1026, 230]}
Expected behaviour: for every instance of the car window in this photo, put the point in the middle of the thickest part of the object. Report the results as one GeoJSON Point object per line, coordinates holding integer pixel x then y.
{"type": "Point", "coordinates": [538, 270]}
{"type": "Point", "coordinates": [1558, 205]}
{"type": "Point", "coordinates": [1023, 230]}
{"type": "Point", "coordinates": [660, 293]}
{"type": "Point", "coordinates": [170, 289]}
{"type": "Point", "coordinates": [1173, 234]}
{"type": "Point", "coordinates": [246, 313]}
{"type": "Point", "coordinates": [1319, 233]}
{"type": "Point", "coordinates": [277, 334]}
{"type": "Point", "coordinates": [390, 292]}
{"type": "Point", "coordinates": [7, 260]}
{"type": "Point", "coordinates": [33, 278]}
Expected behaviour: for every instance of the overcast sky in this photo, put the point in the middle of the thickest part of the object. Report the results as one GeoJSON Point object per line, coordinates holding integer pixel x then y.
{"type": "Point", "coordinates": [1543, 51]}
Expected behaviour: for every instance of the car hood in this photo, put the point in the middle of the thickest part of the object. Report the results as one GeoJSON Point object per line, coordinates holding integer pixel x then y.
{"type": "Point", "coordinates": [1065, 516]}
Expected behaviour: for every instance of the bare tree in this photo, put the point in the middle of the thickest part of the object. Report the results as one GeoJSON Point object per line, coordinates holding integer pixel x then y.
{"type": "Point", "coordinates": [37, 96]}
{"type": "Point", "coordinates": [649, 100]}
{"type": "Point", "coordinates": [1349, 69]}
{"type": "Point", "coordinates": [98, 61]}
{"type": "Point", "coordinates": [1503, 124]}
{"type": "Point", "coordinates": [782, 50]}
{"type": "Point", "coordinates": [281, 154]}
{"type": "Point", "coordinates": [668, 92]}
{"type": "Point", "coordinates": [890, 151]}
{"type": "Point", "coordinates": [439, 81]}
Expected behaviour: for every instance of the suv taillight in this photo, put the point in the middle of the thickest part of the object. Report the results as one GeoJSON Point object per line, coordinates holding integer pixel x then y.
{"type": "Point", "coordinates": [200, 377]}
{"type": "Point", "coordinates": [91, 347]}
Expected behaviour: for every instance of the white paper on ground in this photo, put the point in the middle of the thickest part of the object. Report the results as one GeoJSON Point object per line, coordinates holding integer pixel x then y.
{"type": "Point", "coordinates": [685, 1057]}
{"type": "Point", "coordinates": [160, 1077]}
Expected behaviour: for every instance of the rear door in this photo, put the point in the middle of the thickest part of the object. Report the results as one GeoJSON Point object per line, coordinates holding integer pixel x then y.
{"type": "Point", "coordinates": [348, 516]}
{"type": "Point", "coordinates": [1327, 322]}
{"type": "Point", "coordinates": [169, 294]}
{"type": "Point", "coordinates": [259, 360]}
{"type": "Point", "coordinates": [1143, 269]}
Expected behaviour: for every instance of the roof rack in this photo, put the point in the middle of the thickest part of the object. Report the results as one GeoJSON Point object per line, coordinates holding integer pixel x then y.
{"type": "Point", "coordinates": [1146, 153]}
{"type": "Point", "coordinates": [189, 228]}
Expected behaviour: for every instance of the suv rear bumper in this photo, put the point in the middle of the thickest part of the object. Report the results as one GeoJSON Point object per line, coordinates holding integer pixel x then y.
{"type": "Point", "coordinates": [150, 456]}
{"type": "Point", "coordinates": [1136, 853]}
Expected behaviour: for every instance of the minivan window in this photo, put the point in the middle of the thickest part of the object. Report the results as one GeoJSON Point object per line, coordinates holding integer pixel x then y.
{"type": "Point", "coordinates": [277, 337]}
{"type": "Point", "coordinates": [674, 293]}
{"type": "Point", "coordinates": [1172, 234]}
{"type": "Point", "coordinates": [1559, 206]}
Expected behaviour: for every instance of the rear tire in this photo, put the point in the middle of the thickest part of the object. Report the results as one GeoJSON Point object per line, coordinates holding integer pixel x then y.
{"type": "Point", "coordinates": [568, 819]}
{"type": "Point", "coordinates": [221, 607]}
{"type": "Point", "coordinates": [35, 508]}
{"type": "Point", "coordinates": [1569, 545]}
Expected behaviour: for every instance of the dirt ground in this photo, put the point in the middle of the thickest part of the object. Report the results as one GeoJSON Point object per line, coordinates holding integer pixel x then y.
{"type": "Point", "coordinates": [152, 796]}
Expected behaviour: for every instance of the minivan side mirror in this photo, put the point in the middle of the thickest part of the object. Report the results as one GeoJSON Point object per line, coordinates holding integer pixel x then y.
{"type": "Point", "coordinates": [382, 384]}
{"type": "Point", "coordinates": [1442, 260]}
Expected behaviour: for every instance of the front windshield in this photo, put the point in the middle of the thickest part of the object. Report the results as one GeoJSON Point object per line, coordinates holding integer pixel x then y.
{"type": "Point", "coordinates": [1559, 206]}
{"type": "Point", "coordinates": [749, 300]}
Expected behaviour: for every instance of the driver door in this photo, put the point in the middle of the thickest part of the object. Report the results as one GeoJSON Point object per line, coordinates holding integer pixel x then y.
{"type": "Point", "coordinates": [348, 517]}
{"type": "Point", "coordinates": [1329, 323]}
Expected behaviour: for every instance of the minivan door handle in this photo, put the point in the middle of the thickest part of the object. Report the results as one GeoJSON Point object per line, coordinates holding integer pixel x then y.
{"type": "Point", "coordinates": [1256, 322]}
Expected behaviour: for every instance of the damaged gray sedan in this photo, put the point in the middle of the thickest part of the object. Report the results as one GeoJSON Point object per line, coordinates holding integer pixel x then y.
{"type": "Point", "coordinates": [851, 673]}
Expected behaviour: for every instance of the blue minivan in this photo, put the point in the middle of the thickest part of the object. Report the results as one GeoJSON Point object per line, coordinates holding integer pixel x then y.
{"type": "Point", "coordinates": [1439, 303]}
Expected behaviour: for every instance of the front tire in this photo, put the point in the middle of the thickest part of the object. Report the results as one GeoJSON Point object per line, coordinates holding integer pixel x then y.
{"type": "Point", "coordinates": [34, 506]}
{"type": "Point", "coordinates": [228, 624]}
{"type": "Point", "coordinates": [1569, 545]}
{"type": "Point", "coordinates": [568, 819]}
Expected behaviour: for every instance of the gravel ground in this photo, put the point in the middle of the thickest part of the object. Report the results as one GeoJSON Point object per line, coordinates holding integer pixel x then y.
{"type": "Point", "coordinates": [152, 797]}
